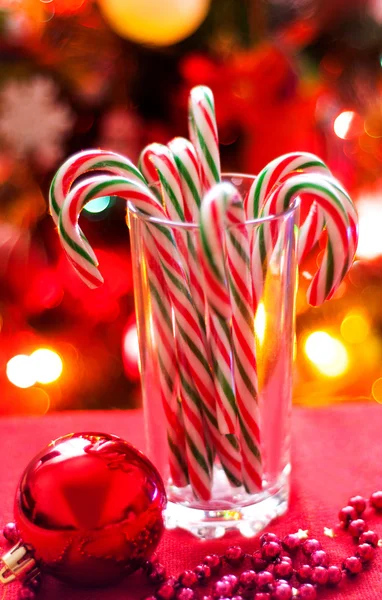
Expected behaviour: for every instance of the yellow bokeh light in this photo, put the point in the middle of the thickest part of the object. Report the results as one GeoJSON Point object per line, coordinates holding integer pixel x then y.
{"type": "Point", "coordinates": [260, 322]}
{"type": "Point", "coordinates": [20, 371]}
{"type": "Point", "coordinates": [47, 365]}
{"type": "Point", "coordinates": [327, 353]}
{"type": "Point", "coordinates": [376, 390]}
{"type": "Point", "coordinates": [153, 22]}
{"type": "Point", "coordinates": [342, 123]}
{"type": "Point", "coordinates": [355, 328]}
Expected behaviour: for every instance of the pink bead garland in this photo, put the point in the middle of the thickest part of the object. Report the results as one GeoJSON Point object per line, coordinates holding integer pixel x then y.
{"type": "Point", "coordinates": [267, 574]}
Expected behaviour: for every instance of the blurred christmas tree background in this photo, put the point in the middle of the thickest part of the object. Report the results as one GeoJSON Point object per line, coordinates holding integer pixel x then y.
{"type": "Point", "coordinates": [286, 74]}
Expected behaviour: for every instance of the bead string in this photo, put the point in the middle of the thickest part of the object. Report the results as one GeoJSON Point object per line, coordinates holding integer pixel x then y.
{"type": "Point", "coordinates": [272, 575]}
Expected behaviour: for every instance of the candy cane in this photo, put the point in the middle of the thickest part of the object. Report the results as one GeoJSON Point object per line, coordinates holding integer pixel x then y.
{"type": "Point", "coordinates": [73, 168]}
{"type": "Point", "coordinates": [146, 166]}
{"type": "Point", "coordinates": [342, 231]}
{"type": "Point", "coordinates": [165, 351]}
{"type": "Point", "coordinates": [83, 162]}
{"type": "Point", "coordinates": [187, 324]}
{"type": "Point", "coordinates": [188, 167]}
{"type": "Point", "coordinates": [221, 207]}
{"type": "Point", "coordinates": [178, 210]}
{"type": "Point", "coordinates": [275, 173]}
{"type": "Point", "coordinates": [204, 134]}
{"type": "Point", "coordinates": [310, 230]}
{"type": "Point", "coordinates": [217, 294]}
{"type": "Point", "coordinates": [166, 171]}
{"type": "Point", "coordinates": [187, 164]}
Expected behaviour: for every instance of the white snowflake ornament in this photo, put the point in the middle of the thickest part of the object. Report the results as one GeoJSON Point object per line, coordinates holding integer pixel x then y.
{"type": "Point", "coordinates": [32, 121]}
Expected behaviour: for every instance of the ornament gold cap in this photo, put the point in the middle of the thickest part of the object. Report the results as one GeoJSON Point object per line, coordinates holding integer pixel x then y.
{"type": "Point", "coordinates": [18, 563]}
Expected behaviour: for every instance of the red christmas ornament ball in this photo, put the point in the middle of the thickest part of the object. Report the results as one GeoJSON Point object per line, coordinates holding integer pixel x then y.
{"type": "Point", "coordinates": [90, 505]}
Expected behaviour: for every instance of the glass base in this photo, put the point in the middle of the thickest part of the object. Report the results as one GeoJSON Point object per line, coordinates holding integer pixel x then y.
{"type": "Point", "coordinates": [248, 514]}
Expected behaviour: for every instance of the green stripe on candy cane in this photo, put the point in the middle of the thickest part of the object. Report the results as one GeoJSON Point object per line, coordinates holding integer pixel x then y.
{"type": "Point", "coordinates": [164, 312]}
{"type": "Point", "coordinates": [175, 450]}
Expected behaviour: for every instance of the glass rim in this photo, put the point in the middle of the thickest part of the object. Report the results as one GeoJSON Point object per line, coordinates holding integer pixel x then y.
{"type": "Point", "coordinates": [191, 225]}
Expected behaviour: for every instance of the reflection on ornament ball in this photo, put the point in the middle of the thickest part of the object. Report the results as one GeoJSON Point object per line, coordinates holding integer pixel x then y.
{"type": "Point", "coordinates": [90, 506]}
{"type": "Point", "coordinates": [154, 22]}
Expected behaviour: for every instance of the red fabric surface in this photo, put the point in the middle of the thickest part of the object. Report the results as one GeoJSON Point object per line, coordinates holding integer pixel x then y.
{"type": "Point", "coordinates": [337, 453]}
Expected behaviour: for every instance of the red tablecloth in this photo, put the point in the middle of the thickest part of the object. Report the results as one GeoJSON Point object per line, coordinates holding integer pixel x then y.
{"type": "Point", "coordinates": [337, 452]}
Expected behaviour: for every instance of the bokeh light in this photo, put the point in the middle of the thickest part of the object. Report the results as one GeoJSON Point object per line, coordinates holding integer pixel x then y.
{"type": "Point", "coordinates": [260, 322]}
{"type": "Point", "coordinates": [376, 390]}
{"type": "Point", "coordinates": [327, 353]}
{"type": "Point", "coordinates": [152, 22]}
{"type": "Point", "coordinates": [355, 328]}
{"type": "Point", "coordinates": [47, 365]}
{"type": "Point", "coordinates": [20, 371]}
{"type": "Point", "coordinates": [343, 123]}
{"type": "Point", "coordinates": [370, 227]}
{"type": "Point", "coordinates": [98, 205]}
{"type": "Point", "coordinates": [130, 348]}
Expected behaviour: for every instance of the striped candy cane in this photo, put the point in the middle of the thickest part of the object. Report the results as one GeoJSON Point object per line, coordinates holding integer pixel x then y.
{"type": "Point", "coordinates": [83, 162]}
{"type": "Point", "coordinates": [191, 338]}
{"type": "Point", "coordinates": [342, 231]}
{"type": "Point", "coordinates": [275, 173]}
{"type": "Point", "coordinates": [211, 233]}
{"type": "Point", "coordinates": [165, 351]}
{"type": "Point", "coordinates": [243, 341]}
{"type": "Point", "coordinates": [221, 207]}
{"type": "Point", "coordinates": [166, 171]}
{"type": "Point", "coordinates": [178, 210]}
{"type": "Point", "coordinates": [310, 230]}
{"type": "Point", "coordinates": [204, 134]}
{"type": "Point", "coordinates": [187, 164]}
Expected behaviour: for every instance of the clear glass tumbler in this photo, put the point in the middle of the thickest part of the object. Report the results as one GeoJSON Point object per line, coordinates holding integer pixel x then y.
{"type": "Point", "coordinates": [162, 360]}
